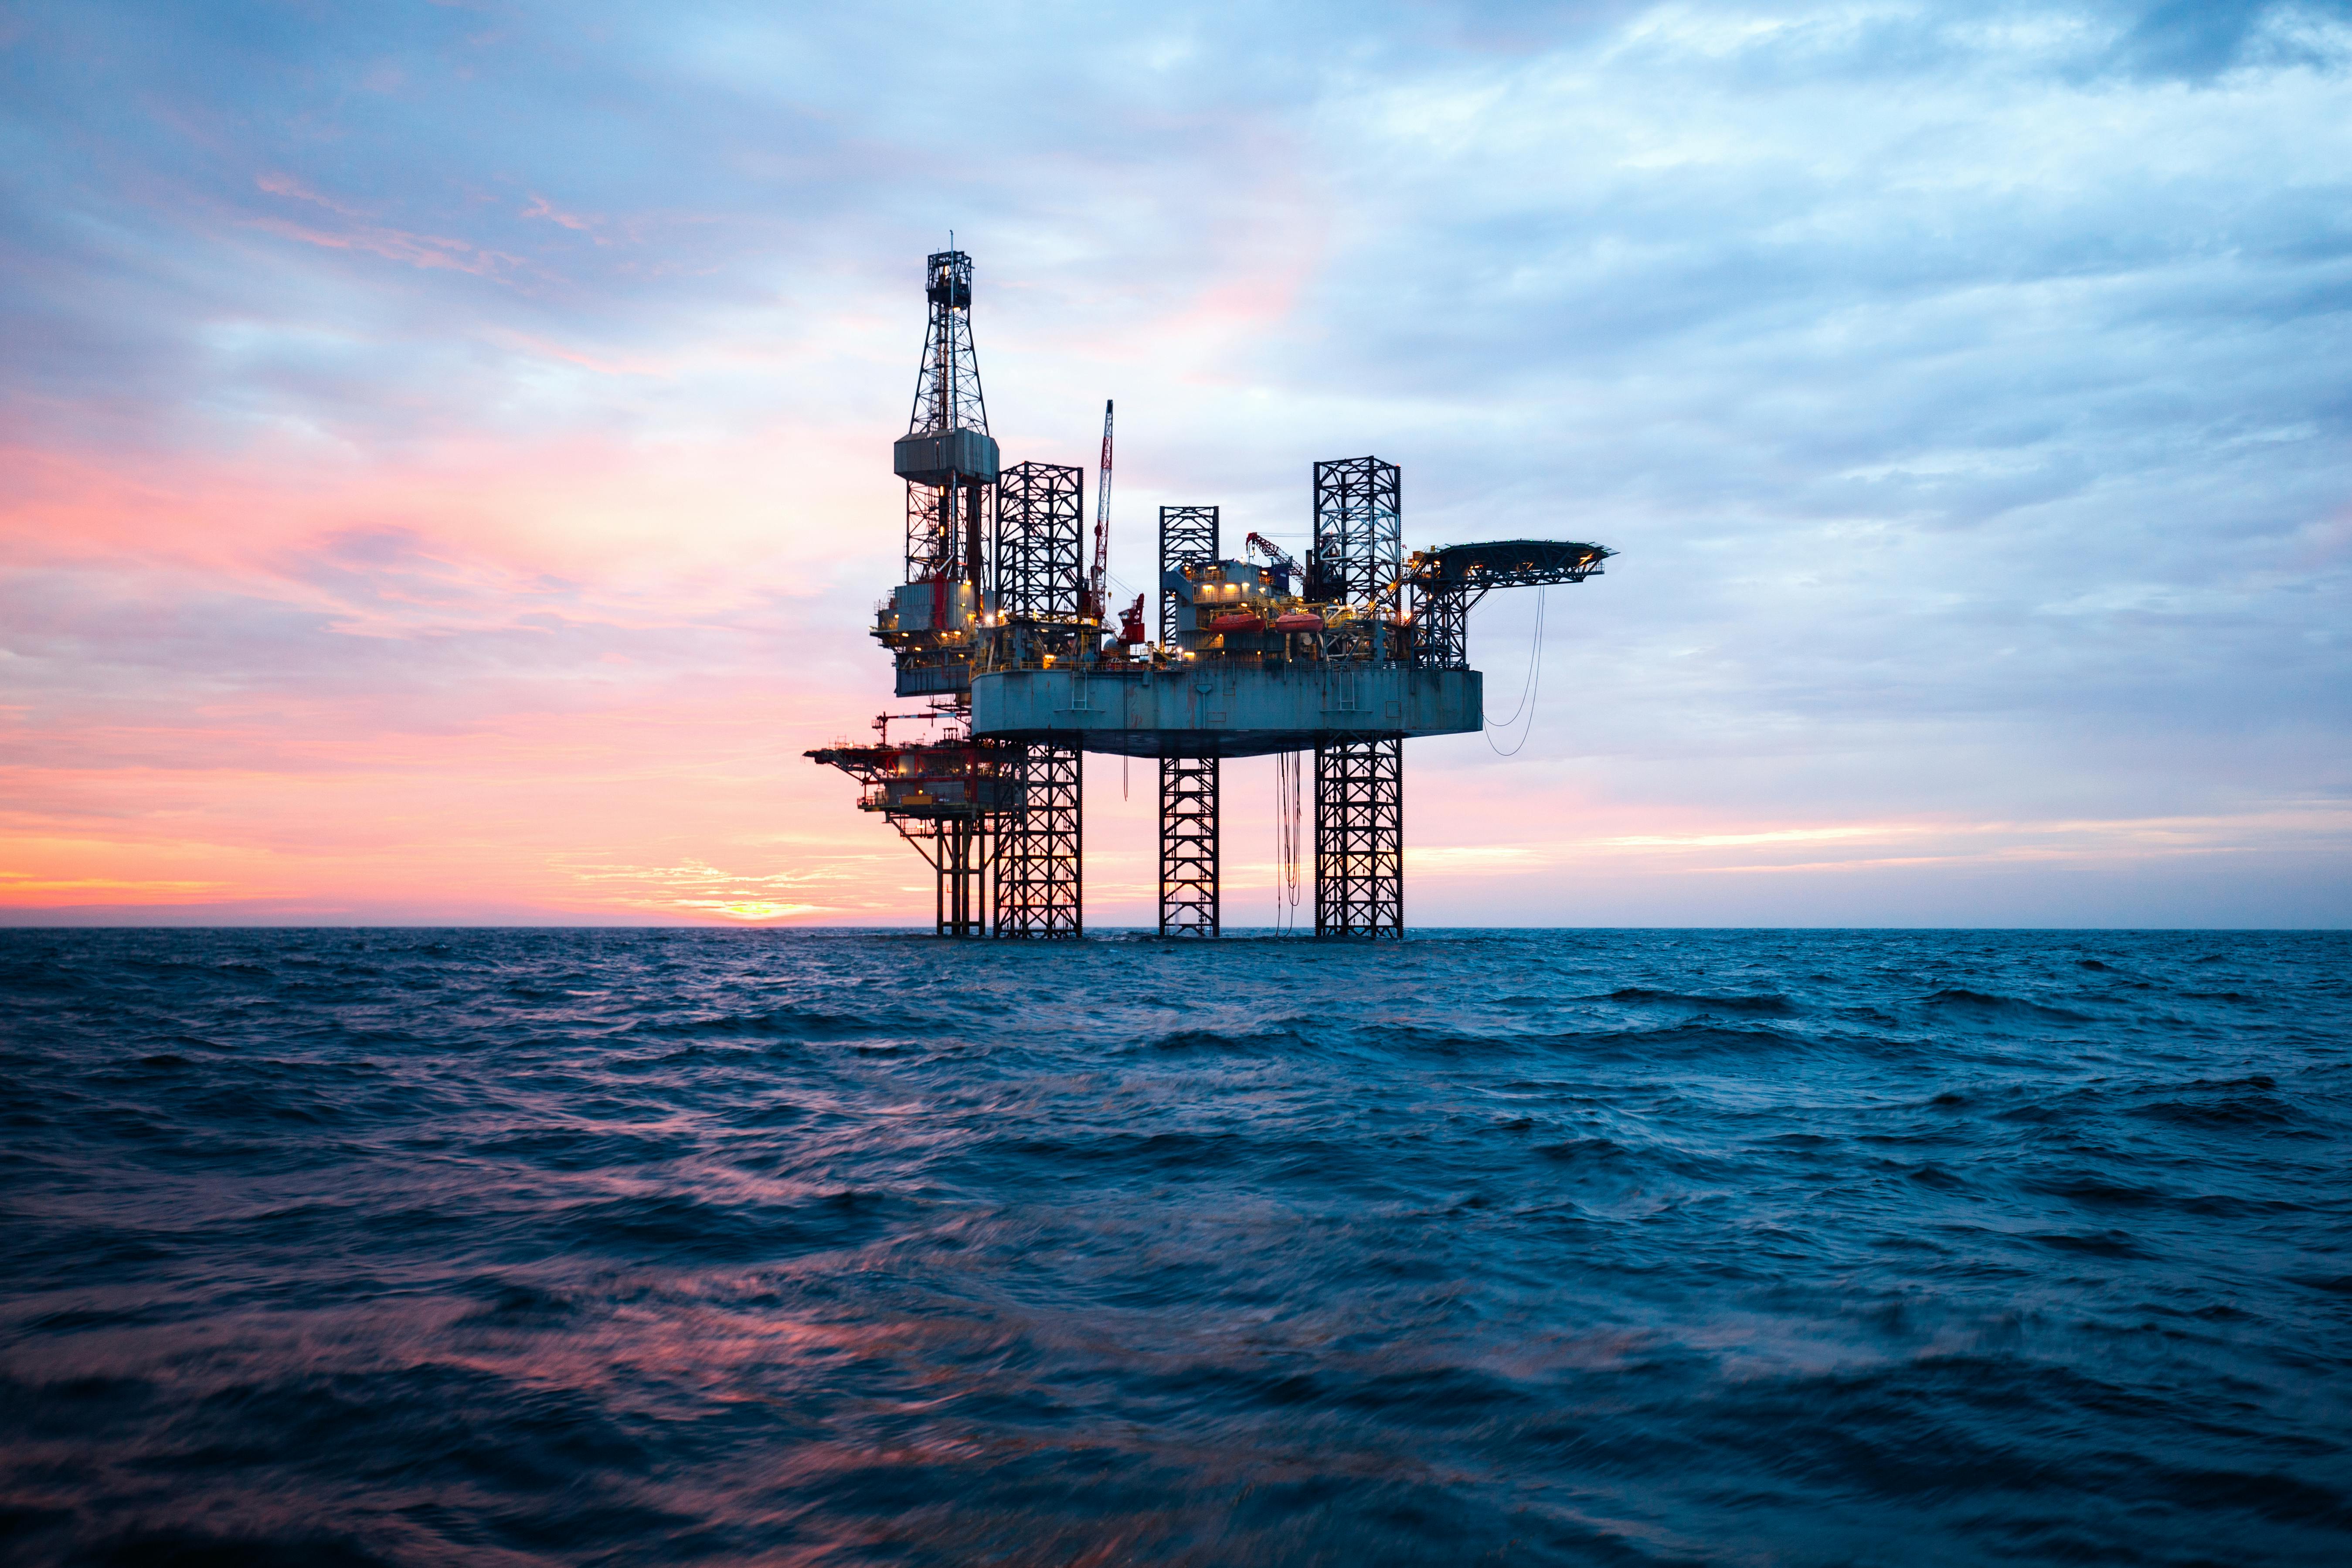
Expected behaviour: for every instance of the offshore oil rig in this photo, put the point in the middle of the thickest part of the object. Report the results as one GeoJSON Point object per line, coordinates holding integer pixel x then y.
{"type": "Point", "coordinates": [1002, 625]}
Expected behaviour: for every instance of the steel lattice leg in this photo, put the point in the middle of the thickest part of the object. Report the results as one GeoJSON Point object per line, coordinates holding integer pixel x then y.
{"type": "Point", "coordinates": [1038, 882]}
{"type": "Point", "coordinates": [1187, 847]}
{"type": "Point", "coordinates": [1360, 839]}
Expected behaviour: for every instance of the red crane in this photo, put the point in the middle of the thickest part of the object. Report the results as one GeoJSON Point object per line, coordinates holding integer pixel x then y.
{"type": "Point", "coordinates": [1098, 582]}
{"type": "Point", "coordinates": [1276, 555]}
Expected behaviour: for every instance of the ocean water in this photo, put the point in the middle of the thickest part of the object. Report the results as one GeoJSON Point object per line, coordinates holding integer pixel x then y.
{"type": "Point", "coordinates": [508, 1248]}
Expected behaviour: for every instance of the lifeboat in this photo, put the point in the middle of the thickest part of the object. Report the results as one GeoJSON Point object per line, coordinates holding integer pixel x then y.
{"type": "Point", "coordinates": [1298, 621]}
{"type": "Point", "coordinates": [1238, 621]}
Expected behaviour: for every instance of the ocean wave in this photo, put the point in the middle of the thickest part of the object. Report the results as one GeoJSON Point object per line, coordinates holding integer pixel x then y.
{"type": "Point", "coordinates": [1769, 1004]}
{"type": "Point", "coordinates": [1987, 1004]}
{"type": "Point", "coordinates": [793, 1023]}
{"type": "Point", "coordinates": [567, 1248]}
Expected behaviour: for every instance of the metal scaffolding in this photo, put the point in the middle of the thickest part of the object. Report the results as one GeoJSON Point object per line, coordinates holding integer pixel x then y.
{"type": "Point", "coordinates": [1187, 847]}
{"type": "Point", "coordinates": [1188, 537]}
{"type": "Point", "coordinates": [1038, 884]}
{"type": "Point", "coordinates": [1360, 839]}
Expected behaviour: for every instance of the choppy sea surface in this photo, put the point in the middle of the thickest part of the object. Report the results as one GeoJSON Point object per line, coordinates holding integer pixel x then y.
{"type": "Point", "coordinates": [413, 1246]}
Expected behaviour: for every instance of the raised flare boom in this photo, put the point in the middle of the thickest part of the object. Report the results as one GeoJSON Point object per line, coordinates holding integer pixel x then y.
{"type": "Point", "coordinates": [1505, 563]}
{"type": "Point", "coordinates": [1439, 586]}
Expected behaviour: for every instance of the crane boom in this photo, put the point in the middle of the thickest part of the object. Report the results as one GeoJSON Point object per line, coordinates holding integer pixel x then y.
{"type": "Point", "coordinates": [1098, 581]}
{"type": "Point", "coordinates": [1285, 568]}
{"type": "Point", "coordinates": [1276, 555]}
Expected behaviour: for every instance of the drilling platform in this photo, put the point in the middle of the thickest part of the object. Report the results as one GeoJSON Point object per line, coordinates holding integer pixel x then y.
{"type": "Point", "coordinates": [1001, 627]}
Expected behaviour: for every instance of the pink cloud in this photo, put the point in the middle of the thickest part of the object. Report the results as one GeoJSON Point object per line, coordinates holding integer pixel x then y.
{"type": "Point", "coordinates": [281, 185]}
{"type": "Point", "coordinates": [426, 251]}
{"type": "Point", "coordinates": [541, 208]}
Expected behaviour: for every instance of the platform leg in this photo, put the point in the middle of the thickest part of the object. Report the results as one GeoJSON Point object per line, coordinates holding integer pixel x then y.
{"type": "Point", "coordinates": [1360, 839]}
{"type": "Point", "coordinates": [1038, 882]}
{"type": "Point", "coordinates": [1187, 847]}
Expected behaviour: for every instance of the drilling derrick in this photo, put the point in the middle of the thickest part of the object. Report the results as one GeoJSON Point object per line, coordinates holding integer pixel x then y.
{"type": "Point", "coordinates": [950, 463]}
{"type": "Point", "coordinates": [950, 796]}
{"type": "Point", "coordinates": [1001, 623]}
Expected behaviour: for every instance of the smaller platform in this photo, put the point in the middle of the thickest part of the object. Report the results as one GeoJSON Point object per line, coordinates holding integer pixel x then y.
{"type": "Point", "coordinates": [1224, 708]}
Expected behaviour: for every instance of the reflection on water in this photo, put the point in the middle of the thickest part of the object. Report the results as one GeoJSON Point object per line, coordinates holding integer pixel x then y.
{"type": "Point", "coordinates": [508, 1247]}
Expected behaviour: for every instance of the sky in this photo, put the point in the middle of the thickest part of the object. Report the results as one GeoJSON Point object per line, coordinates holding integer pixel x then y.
{"type": "Point", "coordinates": [443, 449]}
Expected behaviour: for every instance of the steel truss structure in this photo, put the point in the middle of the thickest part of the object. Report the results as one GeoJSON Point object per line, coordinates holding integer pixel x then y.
{"type": "Point", "coordinates": [947, 388]}
{"type": "Point", "coordinates": [1360, 839]}
{"type": "Point", "coordinates": [1187, 847]}
{"type": "Point", "coordinates": [1189, 893]}
{"type": "Point", "coordinates": [1040, 577]}
{"type": "Point", "coordinates": [1038, 884]}
{"type": "Point", "coordinates": [947, 520]}
{"type": "Point", "coordinates": [1188, 537]}
{"type": "Point", "coordinates": [1358, 536]}
{"type": "Point", "coordinates": [1040, 602]}
{"type": "Point", "coordinates": [1359, 783]}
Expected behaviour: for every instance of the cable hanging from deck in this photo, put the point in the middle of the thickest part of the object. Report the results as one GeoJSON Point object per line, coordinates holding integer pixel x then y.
{"type": "Point", "coordinates": [1287, 837]}
{"type": "Point", "coordinates": [1527, 693]}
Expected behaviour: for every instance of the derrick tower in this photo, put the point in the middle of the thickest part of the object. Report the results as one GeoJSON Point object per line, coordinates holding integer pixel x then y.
{"type": "Point", "coordinates": [950, 463]}
{"type": "Point", "coordinates": [988, 815]}
{"type": "Point", "coordinates": [1001, 626]}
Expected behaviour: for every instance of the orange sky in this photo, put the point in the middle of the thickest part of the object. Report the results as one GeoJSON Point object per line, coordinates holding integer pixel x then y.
{"type": "Point", "coordinates": [510, 683]}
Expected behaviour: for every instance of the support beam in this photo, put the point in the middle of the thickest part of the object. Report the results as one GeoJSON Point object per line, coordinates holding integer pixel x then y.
{"type": "Point", "coordinates": [960, 856]}
{"type": "Point", "coordinates": [1187, 847]}
{"type": "Point", "coordinates": [1360, 839]}
{"type": "Point", "coordinates": [1037, 857]}
{"type": "Point", "coordinates": [1440, 631]}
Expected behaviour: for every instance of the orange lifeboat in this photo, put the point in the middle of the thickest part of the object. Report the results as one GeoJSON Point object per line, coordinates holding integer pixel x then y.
{"type": "Point", "coordinates": [1298, 621]}
{"type": "Point", "coordinates": [1238, 621]}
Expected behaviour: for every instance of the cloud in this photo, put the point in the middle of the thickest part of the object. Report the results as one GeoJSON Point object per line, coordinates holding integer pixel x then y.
{"type": "Point", "coordinates": [430, 400]}
{"type": "Point", "coordinates": [2196, 40]}
{"type": "Point", "coordinates": [541, 208]}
